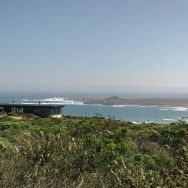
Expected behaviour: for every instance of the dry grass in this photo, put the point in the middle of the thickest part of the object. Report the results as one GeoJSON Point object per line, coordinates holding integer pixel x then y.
{"type": "Point", "coordinates": [17, 117]}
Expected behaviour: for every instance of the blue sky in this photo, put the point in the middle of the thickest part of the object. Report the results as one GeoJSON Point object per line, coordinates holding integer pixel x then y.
{"type": "Point", "coordinates": [100, 45]}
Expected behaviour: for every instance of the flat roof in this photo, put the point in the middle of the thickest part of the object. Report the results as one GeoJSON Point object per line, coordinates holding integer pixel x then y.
{"type": "Point", "coordinates": [31, 105]}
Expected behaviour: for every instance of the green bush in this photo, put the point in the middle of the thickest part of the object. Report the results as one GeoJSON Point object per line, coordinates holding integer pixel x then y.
{"type": "Point", "coordinates": [91, 152]}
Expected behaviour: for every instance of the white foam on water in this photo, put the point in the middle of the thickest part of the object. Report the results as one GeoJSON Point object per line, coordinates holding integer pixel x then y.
{"type": "Point", "coordinates": [135, 122]}
{"type": "Point", "coordinates": [28, 103]}
{"type": "Point", "coordinates": [52, 101]}
{"type": "Point", "coordinates": [25, 100]}
{"type": "Point", "coordinates": [121, 106]}
{"type": "Point", "coordinates": [55, 99]}
{"type": "Point", "coordinates": [166, 119]}
{"type": "Point", "coordinates": [175, 109]}
{"type": "Point", "coordinates": [180, 109]}
{"type": "Point", "coordinates": [165, 109]}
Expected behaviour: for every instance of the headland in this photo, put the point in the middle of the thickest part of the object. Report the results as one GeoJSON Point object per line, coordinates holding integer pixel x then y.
{"type": "Point", "coordinates": [115, 100]}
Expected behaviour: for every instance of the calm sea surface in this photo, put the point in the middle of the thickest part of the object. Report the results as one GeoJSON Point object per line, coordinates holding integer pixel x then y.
{"type": "Point", "coordinates": [156, 114]}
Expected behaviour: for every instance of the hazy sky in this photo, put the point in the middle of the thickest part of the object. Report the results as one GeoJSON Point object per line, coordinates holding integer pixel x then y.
{"type": "Point", "coordinates": [94, 45]}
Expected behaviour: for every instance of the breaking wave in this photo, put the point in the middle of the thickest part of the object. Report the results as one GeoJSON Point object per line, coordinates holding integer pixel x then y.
{"type": "Point", "coordinates": [175, 109]}
{"type": "Point", "coordinates": [121, 106]}
{"type": "Point", "coordinates": [54, 100]}
{"type": "Point", "coordinates": [166, 119]}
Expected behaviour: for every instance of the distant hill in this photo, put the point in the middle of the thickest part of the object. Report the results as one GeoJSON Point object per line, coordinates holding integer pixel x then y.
{"type": "Point", "coordinates": [115, 100]}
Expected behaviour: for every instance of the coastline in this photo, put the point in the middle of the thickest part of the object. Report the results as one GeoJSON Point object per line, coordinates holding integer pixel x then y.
{"type": "Point", "coordinates": [160, 102]}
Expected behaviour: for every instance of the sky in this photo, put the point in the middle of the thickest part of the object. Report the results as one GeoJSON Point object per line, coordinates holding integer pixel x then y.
{"type": "Point", "coordinates": [94, 45]}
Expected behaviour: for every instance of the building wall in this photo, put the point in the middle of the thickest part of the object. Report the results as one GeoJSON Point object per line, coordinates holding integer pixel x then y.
{"type": "Point", "coordinates": [42, 112]}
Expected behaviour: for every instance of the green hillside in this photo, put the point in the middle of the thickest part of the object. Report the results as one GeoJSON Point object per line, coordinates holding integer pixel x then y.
{"type": "Point", "coordinates": [91, 152]}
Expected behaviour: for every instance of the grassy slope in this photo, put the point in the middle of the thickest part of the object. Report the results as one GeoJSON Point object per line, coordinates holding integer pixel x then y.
{"type": "Point", "coordinates": [91, 152]}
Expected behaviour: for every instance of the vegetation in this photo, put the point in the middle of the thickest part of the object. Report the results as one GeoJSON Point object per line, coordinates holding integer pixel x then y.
{"type": "Point", "coordinates": [91, 152]}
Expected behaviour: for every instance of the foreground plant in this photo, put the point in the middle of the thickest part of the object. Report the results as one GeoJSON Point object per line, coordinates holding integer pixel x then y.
{"type": "Point", "coordinates": [91, 152]}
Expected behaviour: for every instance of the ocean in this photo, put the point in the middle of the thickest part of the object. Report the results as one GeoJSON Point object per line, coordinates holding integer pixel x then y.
{"type": "Point", "coordinates": [73, 107]}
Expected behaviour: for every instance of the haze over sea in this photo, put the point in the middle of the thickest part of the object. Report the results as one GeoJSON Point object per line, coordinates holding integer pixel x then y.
{"type": "Point", "coordinates": [74, 106]}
